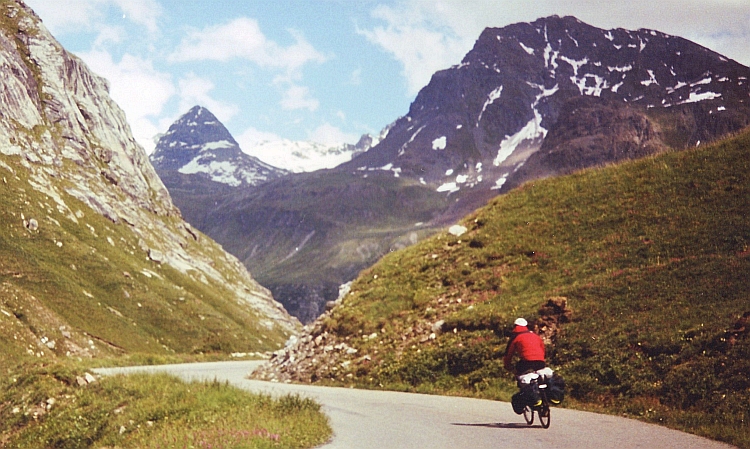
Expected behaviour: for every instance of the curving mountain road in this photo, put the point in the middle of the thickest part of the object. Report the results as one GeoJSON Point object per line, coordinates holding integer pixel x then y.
{"type": "Point", "coordinates": [363, 419]}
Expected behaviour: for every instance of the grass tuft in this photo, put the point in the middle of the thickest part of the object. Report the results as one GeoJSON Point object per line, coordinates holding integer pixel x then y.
{"type": "Point", "coordinates": [50, 407]}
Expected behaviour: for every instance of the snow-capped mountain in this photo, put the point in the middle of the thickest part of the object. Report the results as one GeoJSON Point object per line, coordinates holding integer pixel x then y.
{"type": "Point", "coordinates": [199, 144]}
{"type": "Point", "coordinates": [529, 100]}
{"type": "Point", "coordinates": [477, 123]}
{"type": "Point", "coordinates": [299, 156]}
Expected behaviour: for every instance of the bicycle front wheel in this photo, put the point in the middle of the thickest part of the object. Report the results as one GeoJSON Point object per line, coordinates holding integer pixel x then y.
{"type": "Point", "coordinates": [544, 416]}
{"type": "Point", "coordinates": [528, 415]}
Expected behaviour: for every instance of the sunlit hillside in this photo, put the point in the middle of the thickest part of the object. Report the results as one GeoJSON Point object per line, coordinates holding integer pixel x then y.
{"type": "Point", "coordinates": [650, 260]}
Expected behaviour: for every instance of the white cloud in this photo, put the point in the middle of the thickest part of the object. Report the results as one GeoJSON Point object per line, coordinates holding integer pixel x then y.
{"type": "Point", "coordinates": [298, 97]}
{"type": "Point", "coordinates": [74, 15]}
{"type": "Point", "coordinates": [109, 35]}
{"type": "Point", "coordinates": [420, 40]}
{"type": "Point", "coordinates": [194, 90]}
{"type": "Point", "coordinates": [252, 137]}
{"type": "Point", "coordinates": [355, 79]}
{"type": "Point", "coordinates": [137, 87]}
{"type": "Point", "coordinates": [330, 135]}
{"type": "Point", "coordinates": [60, 16]}
{"type": "Point", "coordinates": [243, 38]}
{"type": "Point", "coordinates": [142, 12]}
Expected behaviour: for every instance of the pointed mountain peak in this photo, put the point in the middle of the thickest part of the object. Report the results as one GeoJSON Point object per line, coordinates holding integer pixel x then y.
{"type": "Point", "coordinates": [195, 131]}
{"type": "Point", "coordinates": [199, 144]}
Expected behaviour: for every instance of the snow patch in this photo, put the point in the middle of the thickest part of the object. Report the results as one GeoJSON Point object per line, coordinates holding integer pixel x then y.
{"type": "Point", "coordinates": [528, 50]}
{"type": "Point", "coordinates": [575, 64]}
{"type": "Point", "coordinates": [297, 156]}
{"type": "Point", "coordinates": [500, 182]}
{"type": "Point", "coordinates": [677, 86]}
{"type": "Point", "coordinates": [533, 129]}
{"type": "Point", "coordinates": [217, 145]}
{"type": "Point", "coordinates": [439, 143]}
{"type": "Point", "coordinates": [591, 85]}
{"type": "Point", "coordinates": [550, 58]}
{"type": "Point", "coordinates": [389, 167]}
{"type": "Point", "coordinates": [222, 172]}
{"type": "Point", "coordinates": [695, 97]}
{"type": "Point", "coordinates": [449, 187]}
{"type": "Point", "coordinates": [651, 80]}
{"type": "Point", "coordinates": [492, 97]}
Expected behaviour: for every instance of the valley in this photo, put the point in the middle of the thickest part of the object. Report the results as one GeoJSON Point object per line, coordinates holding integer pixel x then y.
{"type": "Point", "coordinates": [529, 101]}
{"type": "Point", "coordinates": [593, 181]}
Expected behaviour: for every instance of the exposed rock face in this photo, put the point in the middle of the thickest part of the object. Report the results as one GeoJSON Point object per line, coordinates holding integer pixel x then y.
{"type": "Point", "coordinates": [56, 110]}
{"type": "Point", "coordinates": [591, 131]}
{"type": "Point", "coordinates": [552, 315]}
{"type": "Point", "coordinates": [58, 122]}
{"type": "Point", "coordinates": [313, 356]}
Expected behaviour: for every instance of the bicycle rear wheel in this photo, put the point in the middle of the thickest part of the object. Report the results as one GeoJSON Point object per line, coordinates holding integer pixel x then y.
{"type": "Point", "coordinates": [544, 416]}
{"type": "Point", "coordinates": [528, 415]}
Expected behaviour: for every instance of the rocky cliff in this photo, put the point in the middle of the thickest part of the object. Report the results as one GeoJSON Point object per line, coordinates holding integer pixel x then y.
{"type": "Point", "coordinates": [67, 156]}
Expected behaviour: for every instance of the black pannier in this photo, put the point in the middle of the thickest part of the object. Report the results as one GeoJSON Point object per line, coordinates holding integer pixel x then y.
{"type": "Point", "coordinates": [556, 389]}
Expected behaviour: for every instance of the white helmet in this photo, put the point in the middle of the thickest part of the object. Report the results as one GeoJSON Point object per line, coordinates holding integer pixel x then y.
{"type": "Point", "coordinates": [521, 322]}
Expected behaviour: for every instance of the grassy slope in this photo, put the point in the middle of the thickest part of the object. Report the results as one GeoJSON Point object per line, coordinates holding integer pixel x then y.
{"type": "Point", "coordinates": [91, 279]}
{"type": "Point", "coordinates": [72, 290]}
{"type": "Point", "coordinates": [76, 293]}
{"type": "Point", "coordinates": [653, 259]}
{"type": "Point", "coordinates": [46, 407]}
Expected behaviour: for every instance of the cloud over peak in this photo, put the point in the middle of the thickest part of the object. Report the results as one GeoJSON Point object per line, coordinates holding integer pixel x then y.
{"type": "Point", "coordinates": [242, 38]}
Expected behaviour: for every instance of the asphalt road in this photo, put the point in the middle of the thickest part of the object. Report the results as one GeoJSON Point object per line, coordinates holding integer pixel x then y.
{"type": "Point", "coordinates": [363, 419]}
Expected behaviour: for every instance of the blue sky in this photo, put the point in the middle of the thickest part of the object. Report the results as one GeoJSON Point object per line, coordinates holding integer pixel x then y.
{"type": "Point", "coordinates": [322, 70]}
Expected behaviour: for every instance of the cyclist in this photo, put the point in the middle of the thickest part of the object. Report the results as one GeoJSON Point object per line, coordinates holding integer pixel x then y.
{"type": "Point", "coordinates": [529, 347]}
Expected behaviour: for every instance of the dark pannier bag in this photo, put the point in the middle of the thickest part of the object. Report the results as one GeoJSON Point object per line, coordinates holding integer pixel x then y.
{"type": "Point", "coordinates": [518, 403]}
{"type": "Point", "coordinates": [556, 389]}
{"type": "Point", "coordinates": [529, 395]}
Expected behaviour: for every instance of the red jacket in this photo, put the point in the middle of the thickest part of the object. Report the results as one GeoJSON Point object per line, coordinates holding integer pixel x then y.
{"type": "Point", "coordinates": [528, 345]}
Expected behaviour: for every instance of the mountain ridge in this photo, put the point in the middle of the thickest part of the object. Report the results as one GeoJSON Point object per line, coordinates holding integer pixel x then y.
{"type": "Point", "coordinates": [530, 100]}
{"type": "Point", "coordinates": [496, 107]}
